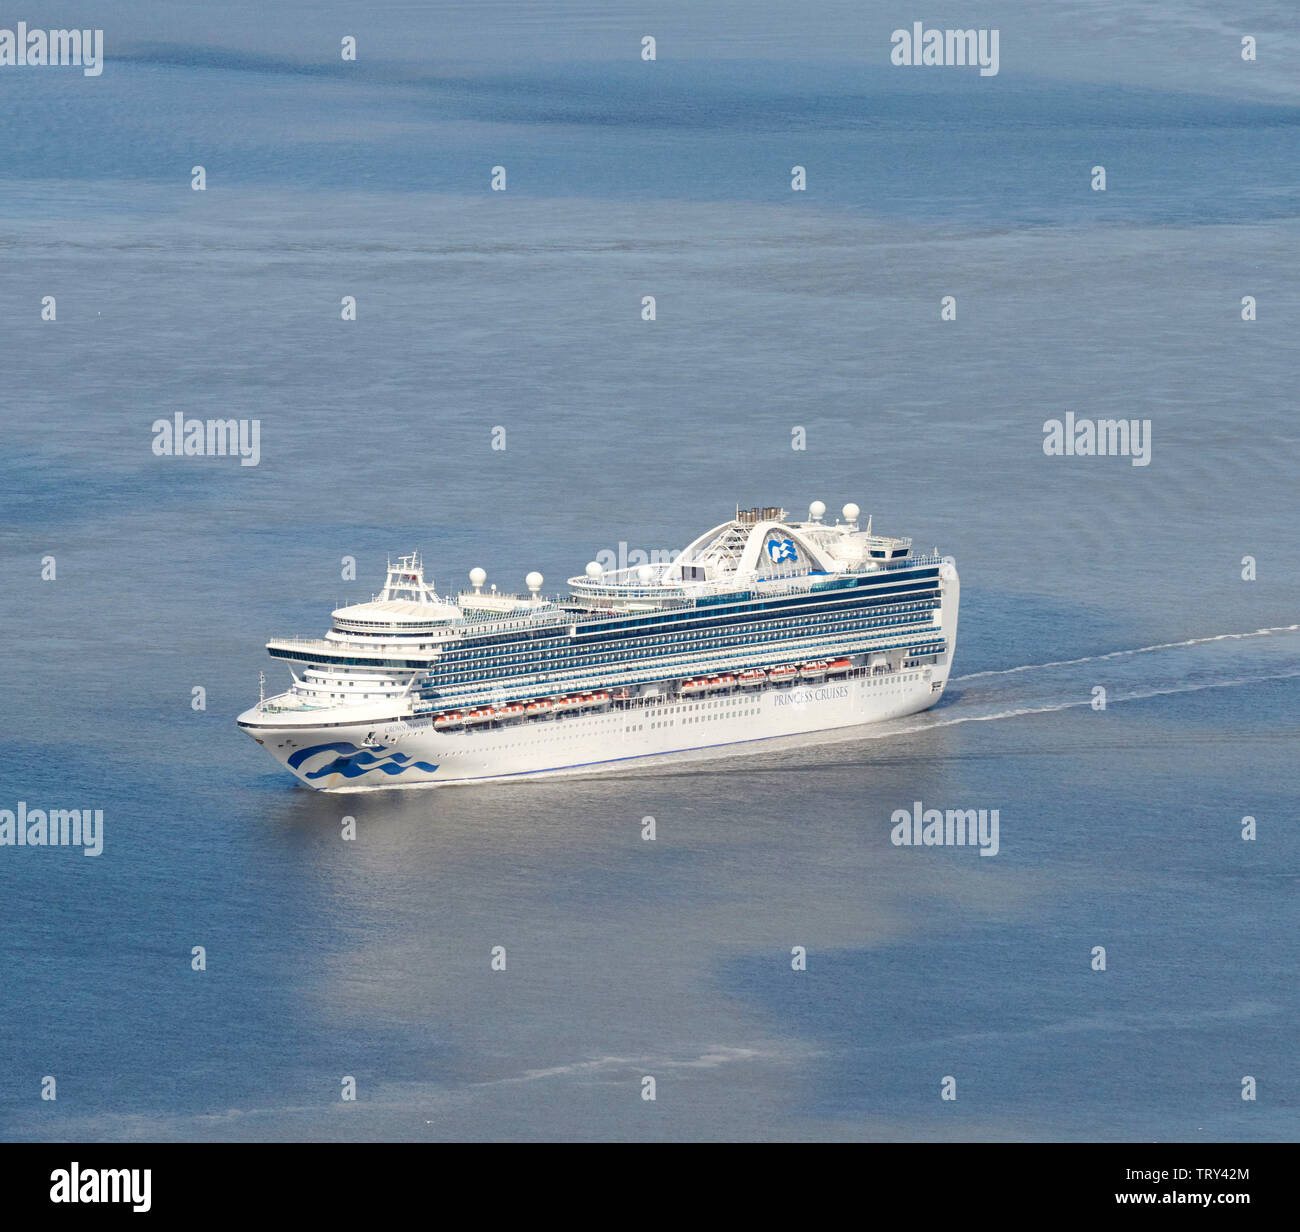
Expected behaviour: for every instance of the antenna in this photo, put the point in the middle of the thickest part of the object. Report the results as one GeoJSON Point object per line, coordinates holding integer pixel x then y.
{"type": "Point", "coordinates": [261, 688]}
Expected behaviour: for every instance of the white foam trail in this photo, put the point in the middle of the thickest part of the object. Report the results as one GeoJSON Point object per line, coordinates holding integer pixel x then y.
{"type": "Point", "coordinates": [711, 1058]}
{"type": "Point", "coordinates": [1119, 654]}
{"type": "Point", "coordinates": [948, 718]}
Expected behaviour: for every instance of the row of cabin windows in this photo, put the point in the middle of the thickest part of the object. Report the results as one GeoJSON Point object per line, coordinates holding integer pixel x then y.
{"type": "Point", "coordinates": [842, 620]}
{"type": "Point", "coordinates": [466, 664]}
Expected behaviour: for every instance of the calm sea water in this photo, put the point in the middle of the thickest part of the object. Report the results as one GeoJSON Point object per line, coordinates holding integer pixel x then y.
{"type": "Point", "coordinates": [1118, 828]}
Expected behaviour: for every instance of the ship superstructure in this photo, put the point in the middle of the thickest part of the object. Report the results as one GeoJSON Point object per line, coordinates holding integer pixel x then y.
{"type": "Point", "coordinates": [762, 627]}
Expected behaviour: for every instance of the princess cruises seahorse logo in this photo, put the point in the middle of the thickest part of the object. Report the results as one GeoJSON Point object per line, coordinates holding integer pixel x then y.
{"type": "Point", "coordinates": [354, 761]}
{"type": "Point", "coordinates": [781, 549]}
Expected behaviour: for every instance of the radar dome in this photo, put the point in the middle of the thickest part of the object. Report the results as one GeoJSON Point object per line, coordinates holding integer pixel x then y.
{"type": "Point", "coordinates": [644, 574]}
{"type": "Point", "coordinates": [594, 570]}
{"type": "Point", "coordinates": [477, 577]}
{"type": "Point", "coordinates": [817, 511]}
{"type": "Point", "coordinates": [534, 581]}
{"type": "Point", "coordinates": [850, 512]}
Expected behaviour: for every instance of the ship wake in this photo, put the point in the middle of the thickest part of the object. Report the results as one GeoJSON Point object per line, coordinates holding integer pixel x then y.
{"type": "Point", "coordinates": [1223, 661]}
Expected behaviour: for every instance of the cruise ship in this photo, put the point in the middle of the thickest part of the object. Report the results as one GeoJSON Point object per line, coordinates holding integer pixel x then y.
{"type": "Point", "coordinates": [763, 627]}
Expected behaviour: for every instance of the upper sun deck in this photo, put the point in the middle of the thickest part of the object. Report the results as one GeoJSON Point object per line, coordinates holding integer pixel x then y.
{"type": "Point", "coordinates": [758, 550]}
{"type": "Point", "coordinates": [407, 606]}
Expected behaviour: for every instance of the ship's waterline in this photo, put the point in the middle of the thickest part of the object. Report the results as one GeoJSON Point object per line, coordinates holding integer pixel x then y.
{"type": "Point", "coordinates": [761, 628]}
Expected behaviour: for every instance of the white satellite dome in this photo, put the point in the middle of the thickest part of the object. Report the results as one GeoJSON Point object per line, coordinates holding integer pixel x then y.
{"type": "Point", "coordinates": [534, 581]}
{"type": "Point", "coordinates": [594, 570]}
{"type": "Point", "coordinates": [477, 577]}
{"type": "Point", "coordinates": [645, 574]}
{"type": "Point", "coordinates": [850, 512]}
{"type": "Point", "coordinates": [816, 511]}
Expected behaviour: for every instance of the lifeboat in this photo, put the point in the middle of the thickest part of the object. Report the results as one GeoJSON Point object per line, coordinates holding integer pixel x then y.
{"type": "Point", "coordinates": [779, 675]}
{"type": "Point", "coordinates": [693, 688]}
{"type": "Point", "coordinates": [562, 705]}
{"type": "Point", "coordinates": [536, 708]}
{"type": "Point", "coordinates": [513, 711]}
{"type": "Point", "coordinates": [752, 678]}
{"type": "Point", "coordinates": [485, 715]}
{"type": "Point", "coordinates": [597, 701]}
{"type": "Point", "coordinates": [837, 667]}
{"type": "Point", "coordinates": [620, 695]}
{"type": "Point", "coordinates": [725, 681]}
{"type": "Point", "coordinates": [453, 718]}
{"type": "Point", "coordinates": [813, 671]}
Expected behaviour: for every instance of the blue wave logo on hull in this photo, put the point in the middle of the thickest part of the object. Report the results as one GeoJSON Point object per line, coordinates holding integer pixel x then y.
{"type": "Point", "coordinates": [356, 761]}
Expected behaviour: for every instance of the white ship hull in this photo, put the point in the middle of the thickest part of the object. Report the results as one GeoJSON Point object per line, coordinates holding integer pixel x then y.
{"type": "Point", "coordinates": [406, 752]}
